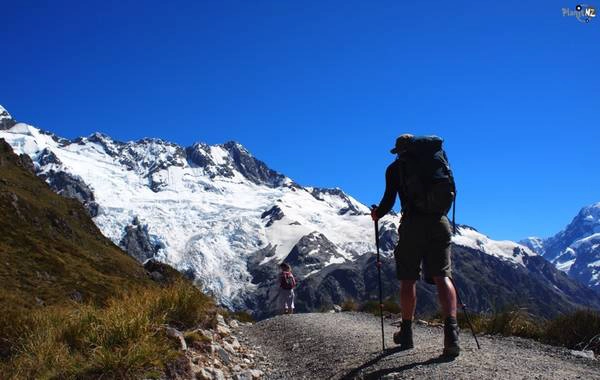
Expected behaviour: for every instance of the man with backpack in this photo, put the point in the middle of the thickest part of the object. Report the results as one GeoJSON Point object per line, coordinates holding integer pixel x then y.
{"type": "Point", "coordinates": [422, 178]}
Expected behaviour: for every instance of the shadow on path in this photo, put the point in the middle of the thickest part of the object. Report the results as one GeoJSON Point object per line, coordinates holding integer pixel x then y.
{"type": "Point", "coordinates": [382, 372]}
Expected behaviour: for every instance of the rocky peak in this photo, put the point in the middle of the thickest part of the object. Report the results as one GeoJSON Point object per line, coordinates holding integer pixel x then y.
{"type": "Point", "coordinates": [252, 168]}
{"type": "Point", "coordinates": [6, 121]}
{"type": "Point", "coordinates": [213, 159]}
{"type": "Point", "coordinates": [337, 198]}
{"type": "Point", "coordinates": [152, 155]}
{"type": "Point", "coordinates": [586, 223]}
{"type": "Point", "coordinates": [576, 249]}
{"type": "Point", "coordinates": [534, 243]}
{"type": "Point", "coordinates": [111, 147]}
{"type": "Point", "coordinates": [312, 253]}
{"type": "Point", "coordinates": [226, 159]}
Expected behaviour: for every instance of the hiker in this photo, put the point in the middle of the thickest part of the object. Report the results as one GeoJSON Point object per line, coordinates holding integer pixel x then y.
{"type": "Point", "coordinates": [287, 283]}
{"type": "Point", "coordinates": [422, 178]}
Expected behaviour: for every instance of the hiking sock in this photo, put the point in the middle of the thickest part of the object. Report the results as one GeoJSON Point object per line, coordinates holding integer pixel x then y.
{"type": "Point", "coordinates": [404, 337]}
{"type": "Point", "coordinates": [451, 347]}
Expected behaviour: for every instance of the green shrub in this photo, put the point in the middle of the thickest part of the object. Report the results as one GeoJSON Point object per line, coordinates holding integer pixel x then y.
{"type": "Point", "coordinates": [349, 305]}
{"type": "Point", "coordinates": [371, 307]}
{"type": "Point", "coordinates": [195, 337]}
{"type": "Point", "coordinates": [243, 316]}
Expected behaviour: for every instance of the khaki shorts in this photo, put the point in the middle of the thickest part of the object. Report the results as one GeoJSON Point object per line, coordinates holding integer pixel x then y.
{"type": "Point", "coordinates": [423, 240]}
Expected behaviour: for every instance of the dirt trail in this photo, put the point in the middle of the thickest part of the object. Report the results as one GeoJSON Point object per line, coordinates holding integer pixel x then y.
{"type": "Point", "coordinates": [348, 346]}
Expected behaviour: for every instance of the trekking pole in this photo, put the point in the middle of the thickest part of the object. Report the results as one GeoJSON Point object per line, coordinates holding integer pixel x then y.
{"type": "Point", "coordinates": [378, 263]}
{"type": "Point", "coordinates": [454, 214]}
{"type": "Point", "coordinates": [464, 307]}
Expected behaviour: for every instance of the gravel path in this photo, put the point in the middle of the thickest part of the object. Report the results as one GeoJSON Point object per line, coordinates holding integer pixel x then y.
{"type": "Point", "coordinates": [348, 346]}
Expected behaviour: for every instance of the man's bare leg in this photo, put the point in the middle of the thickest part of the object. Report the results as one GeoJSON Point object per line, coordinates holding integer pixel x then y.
{"type": "Point", "coordinates": [446, 296]}
{"type": "Point", "coordinates": [408, 298]}
{"type": "Point", "coordinates": [408, 302]}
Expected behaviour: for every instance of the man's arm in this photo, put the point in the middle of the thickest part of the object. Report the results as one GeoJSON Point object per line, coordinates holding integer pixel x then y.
{"type": "Point", "coordinates": [389, 196]}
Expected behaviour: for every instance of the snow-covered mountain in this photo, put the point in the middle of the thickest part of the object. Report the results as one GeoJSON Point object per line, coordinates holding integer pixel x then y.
{"type": "Point", "coordinates": [224, 217]}
{"type": "Point", "coordinates": [203, 209]}
{"type": "Point", "coordinates": [576, 249]}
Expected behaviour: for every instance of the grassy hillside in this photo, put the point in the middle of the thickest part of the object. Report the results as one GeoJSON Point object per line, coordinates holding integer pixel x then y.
{"type": "Point", "coordinates": [50, 249]}
{"type": "Point", "coordinates": [73, 305]}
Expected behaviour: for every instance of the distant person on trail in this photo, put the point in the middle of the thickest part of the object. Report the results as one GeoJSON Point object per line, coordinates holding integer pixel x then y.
{"type": "Point", "coordinates": [287, 283]}
{"type": "Point", "coordinates": [422, 178]}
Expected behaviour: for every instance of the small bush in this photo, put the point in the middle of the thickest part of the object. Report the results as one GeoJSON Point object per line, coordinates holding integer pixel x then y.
{"type": "Point", "coordinates": [182, 305]}
{"type": "Point", "coordinates": [514, 323]}
{"type": "Point", "coordinates": [389, 307]}
{"type": "Point", "coordinates": [371, 307]}
{"type": "Point", "coordinates": [349, 305]}
{"type": "Point", "coordinates": [243, 316]}
{"type": "Point", "coordinates": [195, 337]}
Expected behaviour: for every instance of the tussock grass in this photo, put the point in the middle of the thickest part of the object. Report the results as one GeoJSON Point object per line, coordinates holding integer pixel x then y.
{"type": "Point", "coordinates": [242, 316]}
{"type": "Point", "coordinates": [508, 323]}
{"type": "Point", "coordinates": [579, 330]}
{"type": "Point", "coordinates": [122, 340]}
{"type": "Point", "coordinates": [390, 306]}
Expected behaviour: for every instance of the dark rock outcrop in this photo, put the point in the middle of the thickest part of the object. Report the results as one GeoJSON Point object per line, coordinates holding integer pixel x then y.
{"type": "Point", "coordinates": [272, 215]}
{"type": "Point", "coordinates": [311, 253]}
{"type": "Point", "coordinates": [70, 186]}
{"type": "Point", "coordinates": [163, 273]}
{"type": "Point", "coordinates": [137, 242]}
{"type": "Point", "coordinates": [388, 237]}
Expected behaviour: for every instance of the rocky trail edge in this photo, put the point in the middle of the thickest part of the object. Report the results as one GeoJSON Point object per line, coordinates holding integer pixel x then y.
{"type": "Point", "coordinates": [348, 346]}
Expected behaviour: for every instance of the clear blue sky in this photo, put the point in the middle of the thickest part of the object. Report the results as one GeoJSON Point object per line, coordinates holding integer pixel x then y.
{"type": "Point", "coordinates": [320, 89]}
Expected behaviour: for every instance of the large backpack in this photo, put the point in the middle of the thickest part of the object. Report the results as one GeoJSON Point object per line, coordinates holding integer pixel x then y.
{"type": "Point", "coordinates": [428, 184]}
{"type": "Point", "coordinates": [287, 280]}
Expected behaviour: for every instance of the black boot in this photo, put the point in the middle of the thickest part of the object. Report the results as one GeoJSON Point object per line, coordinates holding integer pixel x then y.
{"type": "Point", "coordinates": [404, 337]}
{"type": "Point", "coordinates": [451, 347]}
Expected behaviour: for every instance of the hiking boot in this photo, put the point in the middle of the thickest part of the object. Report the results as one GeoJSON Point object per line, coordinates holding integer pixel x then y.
{"type": "Point", "coordinates": [404, 336]}
{"type": "Point", "coordinates": [451, 347]}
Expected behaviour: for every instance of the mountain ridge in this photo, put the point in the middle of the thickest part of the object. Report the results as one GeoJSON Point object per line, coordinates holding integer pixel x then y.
{"type": "Point", "coordinates": [224, 217]}
{"type": "Point", "coordinates": [575, 249]}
